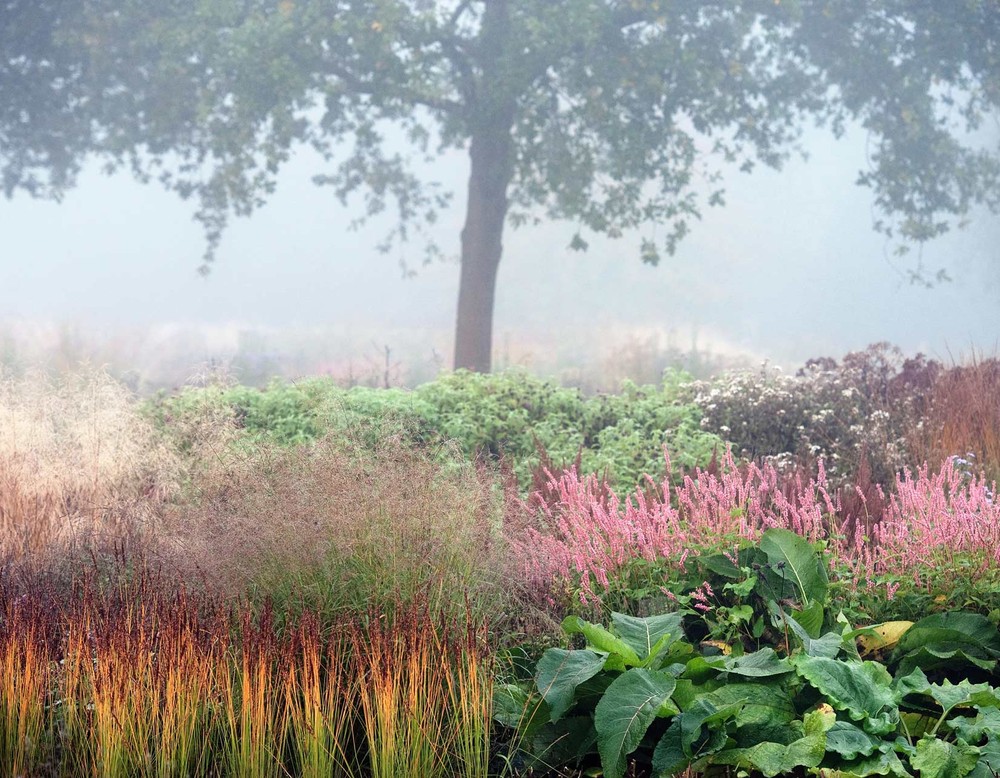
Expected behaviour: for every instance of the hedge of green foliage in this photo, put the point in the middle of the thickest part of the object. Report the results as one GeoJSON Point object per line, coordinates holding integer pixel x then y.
{"type": "Point", "coordinates": [511, 414]}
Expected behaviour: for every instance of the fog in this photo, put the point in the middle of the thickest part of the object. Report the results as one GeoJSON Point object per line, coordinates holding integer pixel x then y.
{"type": "Point", "coordinates": [789, 268]}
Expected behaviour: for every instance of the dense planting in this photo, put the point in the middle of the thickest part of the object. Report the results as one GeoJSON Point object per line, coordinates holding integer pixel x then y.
{"type": "Point", "coordinates": [312, 581]}
{"type": "Point", "coordinates": [524, 419]}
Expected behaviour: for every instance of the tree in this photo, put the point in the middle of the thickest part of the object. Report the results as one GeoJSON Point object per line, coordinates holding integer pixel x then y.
{"type": "Point", "coordinates": [44, 133]}
{"type": "Point", "coordinates": [615, 114]}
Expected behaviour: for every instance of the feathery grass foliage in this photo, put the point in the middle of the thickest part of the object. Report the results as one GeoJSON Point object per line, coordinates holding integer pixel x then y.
{"type": "Point", "coordinates": [332, 526]}
{"type": "Point", "coordinates": [79, 463]}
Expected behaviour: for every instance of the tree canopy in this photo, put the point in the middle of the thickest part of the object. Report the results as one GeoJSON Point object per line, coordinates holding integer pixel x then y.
{"type": "Point", "coordinates": [44, 131]}
{"type": "Point", "coordinates": [616, 115]}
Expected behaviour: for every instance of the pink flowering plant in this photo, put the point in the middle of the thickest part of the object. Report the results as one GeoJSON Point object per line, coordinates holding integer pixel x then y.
{"type": "Point", "coordinates": [937, 545]}
{"type": "Point", "coordinates": [588, 549]}
{"type": "Point", "coordinates": [590, 543]}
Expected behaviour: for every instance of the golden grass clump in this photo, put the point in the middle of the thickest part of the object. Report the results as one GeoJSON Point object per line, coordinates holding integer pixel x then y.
{"type": "Point", "coordinates": [78, 462]}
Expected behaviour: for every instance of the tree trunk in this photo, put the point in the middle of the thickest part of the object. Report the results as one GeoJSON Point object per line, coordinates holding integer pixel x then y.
{"type": "Point", "coordinates": [491, 155]}
{"type": "Point", "coordinates": [482, 246]}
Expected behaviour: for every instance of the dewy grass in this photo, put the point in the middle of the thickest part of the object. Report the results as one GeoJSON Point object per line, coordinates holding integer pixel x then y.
{"type": "Point", "coordinates": [186, 675]}
{"type": "Point", "coordinates": [77, 462]}
{"type": "Point", "coordinates": [401, 697]}
{"type": "Point", "coordinates": [336, 528]}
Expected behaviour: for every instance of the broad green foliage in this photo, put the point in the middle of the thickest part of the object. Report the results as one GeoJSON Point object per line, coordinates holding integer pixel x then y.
{"type": "Point", "coordinates": [638, 692]}
{"type": "Point", "coordinates": [512, 414]}
{"type": "Point", "coordinates": [627, 708]}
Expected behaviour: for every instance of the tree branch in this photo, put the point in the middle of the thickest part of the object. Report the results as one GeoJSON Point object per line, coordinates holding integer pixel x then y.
{"type": "Point", "coordinates": [359, 86]}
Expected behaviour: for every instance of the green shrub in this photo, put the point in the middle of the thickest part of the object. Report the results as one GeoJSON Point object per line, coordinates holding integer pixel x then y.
{"type": "Point", "coordinates": [512, 415]}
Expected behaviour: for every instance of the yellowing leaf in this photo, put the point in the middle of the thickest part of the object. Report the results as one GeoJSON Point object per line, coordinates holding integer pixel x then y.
{"type": "Point", "coordinates": [887, 635]}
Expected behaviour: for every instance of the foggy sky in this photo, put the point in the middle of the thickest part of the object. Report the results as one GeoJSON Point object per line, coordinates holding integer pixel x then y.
{"type": "Point", "coordinates": [790, 268]}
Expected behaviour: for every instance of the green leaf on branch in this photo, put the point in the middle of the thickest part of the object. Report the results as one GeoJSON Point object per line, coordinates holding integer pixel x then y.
{"type": "Point", "coordinates": [793, 558]}
{"type": "Point", "coordinates": [775, 758]}
{"type": "Point", "coordinates": [851, 741]}
{"type": "Point", "coordinates": [942, 638]}
{"type": "Point", "coordinates": [759, 664]}
{"type": "Point", "coordinates": [649, 636]}
{"type": "Point", "coordinates": [694, 734]}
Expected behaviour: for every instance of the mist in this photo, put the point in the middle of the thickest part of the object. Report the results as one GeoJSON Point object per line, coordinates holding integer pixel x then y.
{"type": "Point", "coordinates": [789, 268]}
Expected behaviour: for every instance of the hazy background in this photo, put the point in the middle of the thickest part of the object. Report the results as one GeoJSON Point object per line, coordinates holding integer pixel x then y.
{"type": "Point", "coordinates": [789, 269]}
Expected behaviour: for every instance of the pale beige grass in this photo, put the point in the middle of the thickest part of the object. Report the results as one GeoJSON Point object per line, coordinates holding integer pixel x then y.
{"type": "Point", "coordinates": [78, 463]}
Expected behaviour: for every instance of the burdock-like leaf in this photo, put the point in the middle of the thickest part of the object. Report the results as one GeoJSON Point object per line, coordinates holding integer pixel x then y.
{"type": "Point", "coordinates": [776, 759]}
{"type": "Point", "coordinates": [948, 638]}
{"type": "Point", "coordinates": [767, 712]}
{"type": "Point", "coordinates": [850, 741]}
{"type": "Point", "coordinates": [642, 635]}
{"type": "Point", "coordinates": [939, 759]}
{"type": "Point", "coordinates": [796, 560]}
{"type": "Point", "coordinates": [989, 758]}
{"type": "Point", "coordinates": [863, 689]}
{"type": "Point", "coordinates": [601, 638]}
{"type": "Point", "coordinates": [560, 672]}
{"type": "Point", "coordinates": [759, 664]}
{"type": "Point", "coordinates": [625, 712]}
{"type": "Point", "coordinates": [949, 695]}
{"type": "Point", "coordinates": [880, 763]}
{"type": "Point", "coordinates": [972, 730]}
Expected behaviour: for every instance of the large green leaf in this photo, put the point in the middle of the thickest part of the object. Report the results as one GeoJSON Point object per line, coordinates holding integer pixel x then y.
{"type": "Point", "coordinates": [863, 689]}
{"type": "Point", "coordinates": [935, 658]}
{"type": "Point", "coordinates": [519, 708]}
{"type": "Point", "coordinates": [810, 618]}
{"type": "Point", "coordinates": [775, 759]}
{"type": "Point", "coordinates": [949, 695]}
{"type": "Point", "coordinates": [645, 634]}
{"type": "Point", "coordinates": [693, 734]}
{"type": "Point", "coordinates": [828, 644]}
{"type": "Point", "coordinates": [722, 564]}
{"type": "Point", "coordinates": [563, 742]}
{"type": "Point", "coordinates": [989, 758]}
{"type": "Point", "coordinates": [936, 758]}
{"type": "Point", "coordinates": [943, 638]}
{"type": "Point", "coordinates": [560, 672]}
{"type": "Point", "coordinates": [601, 639]}
{"type": "Point", "coordinates": [792, 557]}
{"type": "Point", "coordinates": [880, 763]}
{"type": "Point", "coordinates": [625, 712]}
{"type": "Point", "coordinates": [767, 712]}
{"type": "Point", "coordinates": [759, 664]}
{"type": "Point", "coordinates": [973, 729]}
{"type": "Point", "coordinates": [850, 741]}
{"type": "Point", "coordinates": [914, 682]}
{"type": "Point", "coordinates": [959, 627]}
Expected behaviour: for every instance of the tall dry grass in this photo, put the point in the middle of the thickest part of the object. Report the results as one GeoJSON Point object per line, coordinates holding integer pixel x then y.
{"type": "Point", "coordinates": [135, 679]}
{"type": "Point", "coordinates": [341, 525]}
{"type": "Point", "coordinates": [964, 417]}
{"type": "Point", "coordinates": [78, 464]}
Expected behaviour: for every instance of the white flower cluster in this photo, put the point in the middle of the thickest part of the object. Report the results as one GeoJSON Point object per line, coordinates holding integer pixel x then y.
{"type": "Point", "coordinates": [861, 408]}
